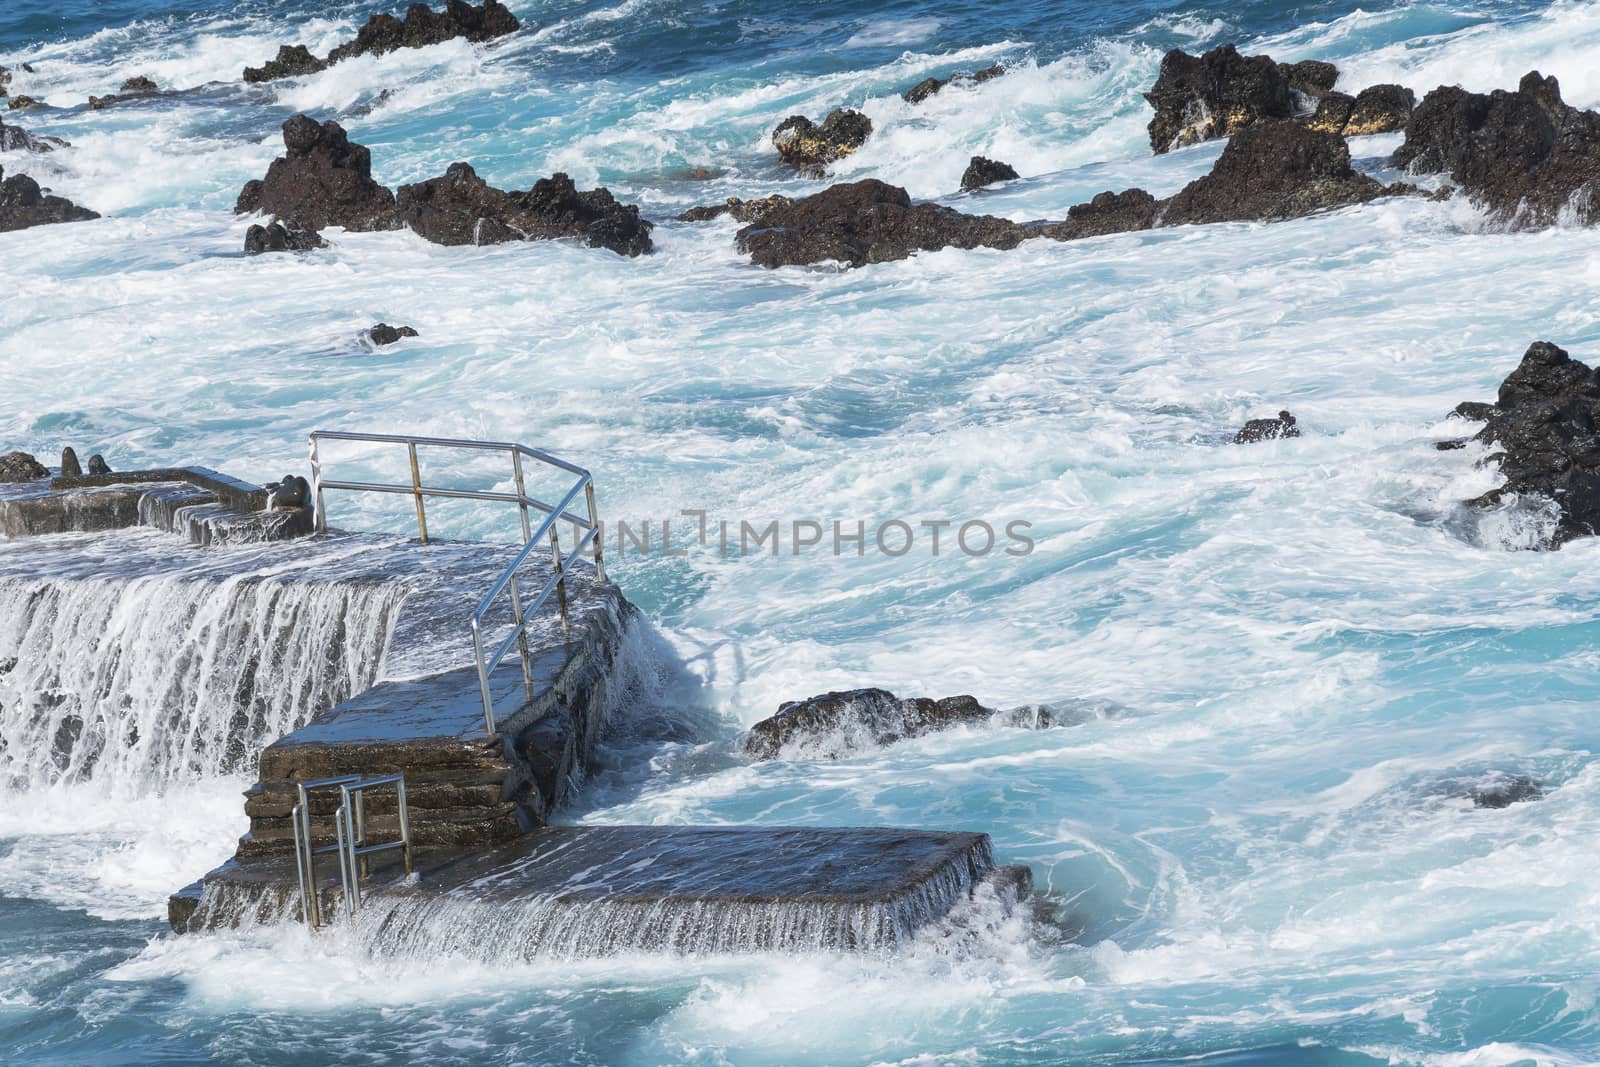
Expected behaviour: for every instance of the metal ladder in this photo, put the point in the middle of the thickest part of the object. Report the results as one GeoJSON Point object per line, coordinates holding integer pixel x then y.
{"type": "Point", "coordinates": [350, 838]}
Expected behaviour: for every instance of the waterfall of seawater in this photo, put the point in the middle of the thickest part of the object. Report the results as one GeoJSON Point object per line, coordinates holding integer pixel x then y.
{"type": "Point", "coordinates": [141, 683]}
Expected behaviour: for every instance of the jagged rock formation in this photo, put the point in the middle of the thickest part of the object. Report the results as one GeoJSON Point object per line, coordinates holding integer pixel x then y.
{"type": "Point", "coordinates": [1267, 429]}
{"type": "Point", "coordinates": [836, 724]}
{"type": "Point", "coordinates": [1280, 171]}
{"type": "Point", "coordinates": [809, 147]}
{"type": "Point", "coordinates": [293, 61]}
{"type": "Point", "coordinates": [323, 180]}
{"type": "Point", "coordinates": [462, 209]}
{"type": "Point", "coordinates": [21, 466]}
{"type": "Point", "coordinates": [929, 86]}
{"type": "Point", "coordinates": [856, 223]}
{"type": "Point", "coordinates": [24, 204]}
{"type": "Point", "coordinates": [1526, 156]}
{"type": "Point", "coordinates": [1379, 109]}
{"type": "Point", "coordinates": [1273, 172]}
{"type": "Point", "coordinates": [1544, 425]}
{"type": "Point", "coordinates": [981, 172]}
{"type": "Point", "coordinates": [384, 334]}
{"type": "Point", "coordinates": [17, 139]}
{"type": "Point", "coordinates": [742, 210]}
{"type": "Point", "coordinates": [382, 33]}
{"type": "Point", "coordinates": [1198, 98]}
{"type": "Point", "coordinates": [275, 237]}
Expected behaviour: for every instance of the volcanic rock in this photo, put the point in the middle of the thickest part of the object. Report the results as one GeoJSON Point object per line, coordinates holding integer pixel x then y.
{"type": "Point", "coordinates": [1108, 212]}
{"type": "Point", "coordinates": [324, 179]}
{"type": "Point", "coordinates": [24, 204]}
{"type": "Point", "coordinates": [929, 86]}
{"type": "Point", "coordinates": [423, 26]}
{"type": "Point", "coordinates": [17, 103]}
{"type": "Point", "coordinates": [810, 147]}
{"type": "Point", "coordinates": [1502, 790]}
{"type": "Point", "coordinates": [1333, 112]}
{"type": "Point", "coordinates": [741, 210]}
{"type": "Point", "coordinates": [981, 172]}
{"type": "Point", "coordinates": [294, 61]}
{"type": "Point", "coordinates": [17, 139]}
{"type": "Point", "coordinates": [460, 208]}
{"type": "Point", "coordinates": [867, 222]}
{"type": "Point", "coordinates": [835, 724]}
{"type": "Point", "coordinates": [1525, 156]}
{"type": "Point", "coordinates": [1267, 429]}
{"type": "Point", "coordinates": [1197, 98]}
{"type": "Point", "coordinates": [1278, 171]}
{"type": "Point", "coordinates": [139, 83]}
{"type": "Point", "coordinates": [1379, 109]}
{"type": "Point", "coordinates": [1312, 77]}
{"type": "Point", "coordinates": [1544, 425]}
{"type": "Point", "coordinates": [384, 334]}
{"type": "Point", "coordinates": [275, 237]}
{"type": "Point", "coordinates": [21, 467]}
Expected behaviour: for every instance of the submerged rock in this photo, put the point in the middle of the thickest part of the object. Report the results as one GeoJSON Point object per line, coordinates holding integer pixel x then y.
{"type": "Point", "coordinates": [929, 86]}
{"type": "Point", "coordinates": [1281, 171]}
{"type": "Point", "coordinates": [323, 180]}
{"type": "Point", "coordinates": [1198, 98]}
{"type": "Point", "coordinates": [276, 237]}
{"type": "Point", "coordinates": [382, 33]}
{"type": "Point", "coordinates": [1504, 790]}
{"type": "Point", "coordinates": [1267, 429]}
{"type": "Point", "coordinates": [21, 467]}
{"type": "Point", "coordinates": [981, 172]}
{"type": "Point", "coordinates": [460, 208]}
{"type": "Point", "coordinates": [384, 334]}
{"type": "Point", "coordinates": [810, 147]}
{"type": "Point", "coordinates": [742, 210]}
{"type": "Point", "coordinates": [1544, 425]}
{"type": "Point", "coordinates": [24, 204]}
{"type": "Point", "coordinates": [293, 61]}
{"type": "Point", "coordinates": [867, 222]}
{"type": "Point", "coordinates": [835, 724]}
{"type": "Point", "coordinates": [1525, 156]}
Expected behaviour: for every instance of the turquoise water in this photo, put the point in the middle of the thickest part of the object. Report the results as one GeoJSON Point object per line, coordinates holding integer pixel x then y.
{"type": "Point", "coordinates": [1293, 648]}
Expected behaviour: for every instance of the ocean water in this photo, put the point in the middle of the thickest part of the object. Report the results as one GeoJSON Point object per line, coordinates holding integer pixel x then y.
{"type": "Point", "coordinates": [1288, 652]}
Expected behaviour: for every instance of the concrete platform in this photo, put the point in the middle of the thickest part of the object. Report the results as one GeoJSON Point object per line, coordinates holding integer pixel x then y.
{"type": "Point", "coordinates": [593, 890]}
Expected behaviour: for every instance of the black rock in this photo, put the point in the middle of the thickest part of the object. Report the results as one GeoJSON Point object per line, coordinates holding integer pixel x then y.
{"type": "Point", "coordinates": [1278, 171]}
{"type": "Point", "coordinates": [1544, 424]}
{"type": "Point", "coordinates": [98, 464]}
{"type": "Point", "coordinates": [835, 724]}
{"type": "Point", "coordinates": [1333, 113]}
{"type": "Point", "coordinates": [1474, 410]}
{"type": "Point", "coordinates": [867, 222]}
{"type": "Point", "coordinates": [741, 210]}
{"type": "Point", "coordinates": [423, 26]}
{"type": "Point", "coordinates": [21, 101]}
{"type": "Point", "coordinates": [1197, 98]}
{"type": "Point", "coordinates": [70, 467]}
{"type": "Point", "coordinates": [1503, 790]}
{"type": "Point", "coordinates": [275, 237]}
{"type": "Point", "coordinates": [21, 467]}
{"type": "Point", "coordinates": [384, 334]}
{"type": "Point", "coordinates": [24, 204]}
{"type": "Point", "coordinates": [928, 86]}
{"type": "Point", "coordinates": [293, 61]}
{"type": "Point", "coordinates": [139, 83]}
{"type": "Point", "coordinates": [460, 208]}
{"type": "Point", "coordinates": [1108, 212]}
{"type": "Point", "coordinates": [323, 180]}
{"type": "Point", "coordinates": [810, 147]}
{"type": "Point", "coordinates": [1525, 156]}
{"type": "Point", "coordinates": [981, 172]}
{"type": "Point", "coordinates": [1267, 429]}
{"type": "Point", "coordinates": [1379, 109]}
{"type": "Point", "coordinates": [17, 139]}
{"type": "Point", "coordinates": [1312, 77]}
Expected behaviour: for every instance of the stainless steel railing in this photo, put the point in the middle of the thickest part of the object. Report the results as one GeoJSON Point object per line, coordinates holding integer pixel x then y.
{"type": "Point", "coordinates": [350, 838]}
{"type": "Point", "coordinates": [532, 537]}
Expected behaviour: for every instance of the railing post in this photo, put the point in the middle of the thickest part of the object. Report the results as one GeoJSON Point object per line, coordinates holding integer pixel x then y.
{"type": "Point", "coordinates": [561, 576]}
{"type": "Point", "coordinates": [599, 537]}
{"type": "Point", "coordinates": [405, 822]}
{"type": "Point", "coordinates": [416, 491]}
{"type": "Point", "coordinates": [516, 598]}
{"type": "Point", "coordinates": [483, 679]}
{"type": "Point", "coordinates": [321, 518]}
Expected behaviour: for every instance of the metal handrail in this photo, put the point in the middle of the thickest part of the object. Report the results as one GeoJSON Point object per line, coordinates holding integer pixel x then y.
{"type": "Point", "coordinates": [561, 563]}
{"type": "Point", "coordinates": [350, 838]}
{"type": "Point", "coordinates": [305, 854]}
